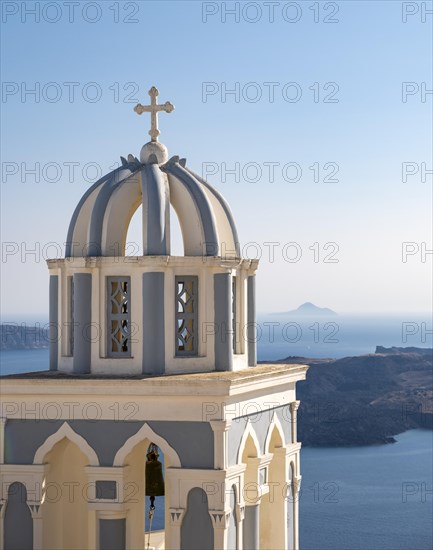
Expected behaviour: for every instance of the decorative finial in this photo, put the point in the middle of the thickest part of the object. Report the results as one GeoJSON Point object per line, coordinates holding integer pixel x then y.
{"type": "Point", "coordinates": [154, 109]}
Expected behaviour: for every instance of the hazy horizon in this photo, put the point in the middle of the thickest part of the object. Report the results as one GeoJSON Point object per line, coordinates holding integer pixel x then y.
{"type": "Point", "coordinates": [39, 317]}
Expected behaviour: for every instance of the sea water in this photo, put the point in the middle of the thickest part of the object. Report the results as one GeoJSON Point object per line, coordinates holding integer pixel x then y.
{"type": "Point", "coordinates": [19, 361]}
{"type": "Point", "coordinates": [282, 335]}
{"type": "Point", "coordinates": [376, 497]}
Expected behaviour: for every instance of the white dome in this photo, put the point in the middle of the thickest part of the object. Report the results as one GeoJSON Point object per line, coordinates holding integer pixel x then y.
{"type": "Point", "coordinates": [100, 222]}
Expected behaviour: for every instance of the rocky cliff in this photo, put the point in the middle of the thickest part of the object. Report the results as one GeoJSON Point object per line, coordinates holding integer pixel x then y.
{"type": "Point", "coordinates": [365, 400]}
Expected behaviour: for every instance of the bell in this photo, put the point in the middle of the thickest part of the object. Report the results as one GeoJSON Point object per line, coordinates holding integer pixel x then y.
{"type": "Point", "coordinates": [154, 478]}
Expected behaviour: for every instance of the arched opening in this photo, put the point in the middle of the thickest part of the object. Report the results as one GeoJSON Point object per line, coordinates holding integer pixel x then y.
{"type": "Point", "coordinates": [65, 494]}
{"type": "Point", "coordinates": [138, 526]}
{"type": "Point", "coordinates": [197, 531]}
{"type": "Point", "coordinates": [18, 523]}
{"type": "Point", "coordinates": [134, 235]}
{"type": "Point", "coordinates": [273, 505]}
{"type": "Point", "coordinates": [176, 237]}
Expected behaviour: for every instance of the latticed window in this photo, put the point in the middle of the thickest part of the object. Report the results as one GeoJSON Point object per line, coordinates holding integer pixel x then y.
{"type": "Point", "coordinates": [119, 316]}
{"type": "Point", "coordinates": [186, 315]}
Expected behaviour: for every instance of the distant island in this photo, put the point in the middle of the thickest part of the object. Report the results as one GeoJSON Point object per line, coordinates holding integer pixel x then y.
{"type": "Point", "coordinates": [310, 310]}
{"type": "Point", "coordinates": [365, 400]}
{"type": "Point", "coordinates": [21, 337]}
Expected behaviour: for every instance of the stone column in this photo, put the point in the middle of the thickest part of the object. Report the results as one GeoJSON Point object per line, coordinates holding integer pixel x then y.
{"type": "Point", "coordinates": [54, 331]}
{"type": "Point", "coordinates": [153, 323]}
{"type": "Point", "coordinates": [82, 321]}
{"type": "Point", "coordinates": [251, 321]}
{"type": "Point", "coordinates": [220, 522]}
{"type": "Point", "coordinates": [93, 535]}
{"type": "Point", "coordinates": [172, 535]}
{"type": "Point", "coordinates": [2, 515]}
{"type": "Point", "coordinates": [156, 211]}
{"type": "Point", "coordinates": [2, 439]}
{"type": "Point", "coordinates": [294, 406]}
{"type": "Point", "coordinates": [252, 492]}
{"type": "Point", "coordinates": [251, 523]}
{"type": "Point", "coordinates": [220, 430]}
{"type": "Point", "coordinates": [223, 322]}
{"type": "Point", "coordinates": [36, 511]}
{"type": "Point", "coordinates": [280, 491]}
{"type": "Point", "coordinates": [296, 493]}
{"type": "Point", "coordinates": [240, 517]}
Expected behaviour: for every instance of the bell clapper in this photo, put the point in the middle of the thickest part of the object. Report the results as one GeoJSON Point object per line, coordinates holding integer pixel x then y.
{"type": "Point", "coordinates": [150, 516]}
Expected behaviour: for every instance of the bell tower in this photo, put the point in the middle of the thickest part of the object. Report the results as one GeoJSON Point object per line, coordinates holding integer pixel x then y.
{"type": "Point", "coordinates": [154, 387]}
{"type": "Point", "coordinates": [157, 313]}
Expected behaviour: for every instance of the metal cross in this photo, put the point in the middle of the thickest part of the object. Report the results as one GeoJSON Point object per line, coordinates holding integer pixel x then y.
{"type": "Point", "coordinates": [153, 109]}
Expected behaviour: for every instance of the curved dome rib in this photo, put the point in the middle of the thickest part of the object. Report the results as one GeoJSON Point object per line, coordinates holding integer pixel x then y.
{"type": "Point", "coordinates": [156, 211]}
{"type": "Point", "coordinates": [149, 187]}
{"type": "Point", "coordinates": [75, 221]}
{"type": "Point", "coordinates": [101, 219]}
{"type": "Point", "coordinates": [207, 218]}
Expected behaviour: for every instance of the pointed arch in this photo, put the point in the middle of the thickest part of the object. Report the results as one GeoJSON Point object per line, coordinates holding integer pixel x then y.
{"type": "Point", "coordinates": [65, 431]}
{"type": "Point", "coordinates": [146, 432]}
{"type": "Point", "coordinates": [274, 425]}
{"type": "Point", "coordinates": [249, 431]}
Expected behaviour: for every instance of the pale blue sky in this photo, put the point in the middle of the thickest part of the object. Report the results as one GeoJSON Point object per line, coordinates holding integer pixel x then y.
{"type": "Point", "coordinates": [368, 133]}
